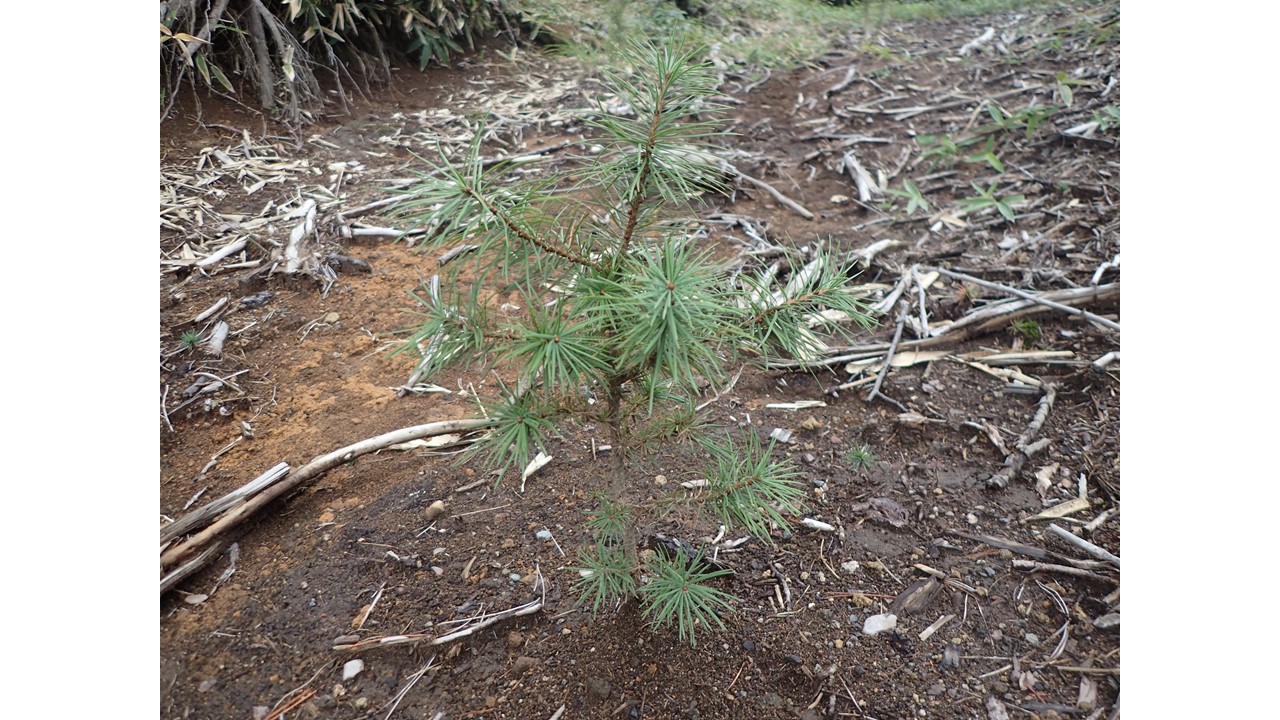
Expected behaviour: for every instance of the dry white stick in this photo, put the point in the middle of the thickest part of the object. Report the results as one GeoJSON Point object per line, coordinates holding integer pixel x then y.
{"type": "Point", "coordinates": [1101, 363]}
{"type": "Point", "coordinates": [455, 252]}
{"type": "Point", "coordinates": [868, 253]}
{"type": "Point", "coordinates": [1097, 274]}
{"type": "Point", "coordinates": [1104, 516]}
{"type": "Point", "coordinates": [217, 338]}
{"type": "Point", "coordinates": [481, 622]}
{"type": "Point", "coordinates": [817, 525]}
{"type": "Point", "coordinates": [213, 310]}
{"type": "Point", "coordinates": [413, 680]}
{"type": "Point", "coordinates": [347, 232]}
{"type": "Point", "coordinates": [795, 206]}
{"type": "Point", "coordinates": [185, 570]}
{"type": "Point", "coordinates": [372, 604]}
{"type": "Point", "coordinates": [849, 75]}
{"type": "Point", "coordinates": [1040, 299]}
{"type": "Point", "coordinates": [164, 408]}
{"type": "Point", "coordinates": [782, 578]}
{"type": "Point", "coordinates": [935, 627]}
{"type": "Point", "coordinates": [979, 42]}
{"type": "Point", "coordinates": [223, 252]}
{"type": "Point", "coordinates": [1023, 447]}
{"type": "Point", "coordinates": [292, 252]}
{"type": "Point", "coordinates": [366, 208]}
{"type": "Point", "coordinates": [888, 360]}
{"type": "Point", "coordinates": [884, 305]}
{"type": "Point", "coordinates": [924, 314]}
{"type": "Point", "coordinates": [1085, 545]}
{"type": "Point", "coordinates": [1034, 566]}
{"type": "Point", "coordinates": [861, 178]}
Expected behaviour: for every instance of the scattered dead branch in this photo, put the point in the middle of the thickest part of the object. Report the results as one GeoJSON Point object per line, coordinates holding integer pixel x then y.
{"type": "Point", "coordinates": [1034, 566]}
{"type": "Point", "coordinates": [1033, 297]}
{"type": "Point", "coordinates": [1022, 448]}
{"type": "Point", "coordinates": [783, 199]}
{"type": "Point", "coordinates": [470, 626]}
{"type": "Point", "coordinates": [1079, 542]}
{"type": "Point", "coordinates": [235, 516]}
{"type": "Point", "coordinates": [986, 319]}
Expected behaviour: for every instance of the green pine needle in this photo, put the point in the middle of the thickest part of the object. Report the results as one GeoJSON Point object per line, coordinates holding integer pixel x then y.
{"type": "Point", "coordinates": [748, 488]}
{"type": "Point", "coordinates": [678, 594]}
{"type": "Point", "coordinates": [519, 426]}
{"type": "Point", "coordinates": [604, 577]}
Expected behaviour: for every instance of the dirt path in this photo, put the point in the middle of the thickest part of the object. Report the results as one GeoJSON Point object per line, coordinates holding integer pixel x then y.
{"type": "Point", "coordinates": [306, 370]}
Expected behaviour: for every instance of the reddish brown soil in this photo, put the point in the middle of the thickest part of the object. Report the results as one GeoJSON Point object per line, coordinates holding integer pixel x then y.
{"type": "Point", "coordinates": [308, 565]}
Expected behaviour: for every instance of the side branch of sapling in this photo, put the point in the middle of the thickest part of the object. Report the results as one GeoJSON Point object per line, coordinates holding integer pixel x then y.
{"type": "Point", "coordinates": [524, 234]}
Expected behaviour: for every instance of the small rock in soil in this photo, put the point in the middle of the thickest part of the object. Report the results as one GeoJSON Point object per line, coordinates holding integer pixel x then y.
{"type": "Point", "coordinates": [260, 711]}
{"type": "Point", "coordinates": [598, 687]}
{"type": "Point", "coordinates": [514, 639]}
{"type": "Point", "coordinates": [660, 480]}
{"type": "Point", "coordinates": [849, 566]}
{"type": "Point", "coordinates": [435, 510]}
{"type": "Point", "coordinates": [524, 664]}
{"type": "Point", "coordinates": [877, 624]}
{"type": "Point", "coordinates": [257, 300]}
{"type": "Point", "coordinates": [1109, 620]}
{"type": "Point", "coordinates": [352, 669]}
{"type": "Point", "coordinates": [543, 535]}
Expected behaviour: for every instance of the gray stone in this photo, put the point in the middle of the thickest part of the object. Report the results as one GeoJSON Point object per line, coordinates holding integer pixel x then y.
{"type": "Point", "coordinates": [598, 688]}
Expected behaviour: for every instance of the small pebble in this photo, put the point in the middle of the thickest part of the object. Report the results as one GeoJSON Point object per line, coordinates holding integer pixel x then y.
{"type": "Point", "coordinates": [435, 510]}
{"type": "Point", "coordinates": [877, 624]}
{"type": "Point", "coordinates": [543, 535]}
{"type": "Point", "coordinates": [660, 480]}
{"type": "Point", "coordinates": [515, 577]}
{"type": "Point", "coordinates": [849, 566]}
{"type": "Point", "coordinates": [1032, 639]}
{"type": "Point", "coordinates": [352, 669]}
{"type": "Point", "coordinates": [971, 519]}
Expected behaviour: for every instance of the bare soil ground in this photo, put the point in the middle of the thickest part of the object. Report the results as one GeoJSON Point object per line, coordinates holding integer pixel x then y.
{"type": "Point", "coordinates": [306, 370]}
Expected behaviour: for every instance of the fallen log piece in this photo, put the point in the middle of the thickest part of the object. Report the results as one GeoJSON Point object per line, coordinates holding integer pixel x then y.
{"type": "Point", "coordinates": [203, 516]}
{"type": "Point", "coordinates": [197, 544]}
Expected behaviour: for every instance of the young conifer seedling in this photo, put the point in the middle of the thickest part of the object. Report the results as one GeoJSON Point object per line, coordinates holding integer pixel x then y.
{"type": "Point", "coordinates": [624, 318]}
